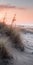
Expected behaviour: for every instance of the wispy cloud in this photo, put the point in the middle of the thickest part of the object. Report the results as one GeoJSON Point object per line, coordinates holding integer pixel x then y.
{"type": "Point", "coordinates": [20, 3]}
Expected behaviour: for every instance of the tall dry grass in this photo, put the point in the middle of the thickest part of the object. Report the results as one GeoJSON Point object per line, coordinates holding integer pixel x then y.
{"type": "Point", "coordinates": [13, 34]}
{"type": "Point", "coordinates": [6, 31]}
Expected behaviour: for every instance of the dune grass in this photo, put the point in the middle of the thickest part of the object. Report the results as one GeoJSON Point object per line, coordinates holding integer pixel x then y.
{"type": "Point", "coordinates": [16, 42]}
{"type": "Point", "coordinates": [3, 51]}
{"type": "Point", "coordinates": [13, 34]}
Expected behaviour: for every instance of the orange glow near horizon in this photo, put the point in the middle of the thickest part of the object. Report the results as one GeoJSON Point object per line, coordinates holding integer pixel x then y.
{"type": "Point", "coordinates": [23, 16]}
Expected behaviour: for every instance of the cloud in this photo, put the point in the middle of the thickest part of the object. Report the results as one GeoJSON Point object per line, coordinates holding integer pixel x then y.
{"type": "Point", "coordinates": [24, 3]}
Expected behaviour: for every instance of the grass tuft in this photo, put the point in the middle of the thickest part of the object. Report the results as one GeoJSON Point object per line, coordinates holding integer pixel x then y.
{"type": "Point", "coordinates": [13, 34]}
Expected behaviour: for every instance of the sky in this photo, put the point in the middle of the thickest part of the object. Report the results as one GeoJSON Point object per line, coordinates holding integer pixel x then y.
{"type": "Point", "coordinates": [18, 3]}
{"type": "Point", "coordinates": [23, 16]}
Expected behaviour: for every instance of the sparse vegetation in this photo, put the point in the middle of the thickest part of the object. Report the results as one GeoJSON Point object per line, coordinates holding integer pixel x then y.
{"type": "Point", "coordinates": [14, 36]}
{"type": "Point", "coordinates": [3, 51]}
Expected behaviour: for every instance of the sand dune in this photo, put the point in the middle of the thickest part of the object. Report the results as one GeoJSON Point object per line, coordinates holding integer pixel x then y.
{"type": "Point", "coordinates": [16, 56]}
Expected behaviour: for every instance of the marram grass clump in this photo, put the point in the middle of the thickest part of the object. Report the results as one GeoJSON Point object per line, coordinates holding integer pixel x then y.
{"type": "Point", "coordinates": [16, 39]}
{"type": "Point", "coordinates": [3, 51]}
{"type": "Point", "coordinates": [5, 57]}
{"type": "Point", "coordinates": [9, 36]}
{"type": "Point", "coordinates": [14, 36]}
